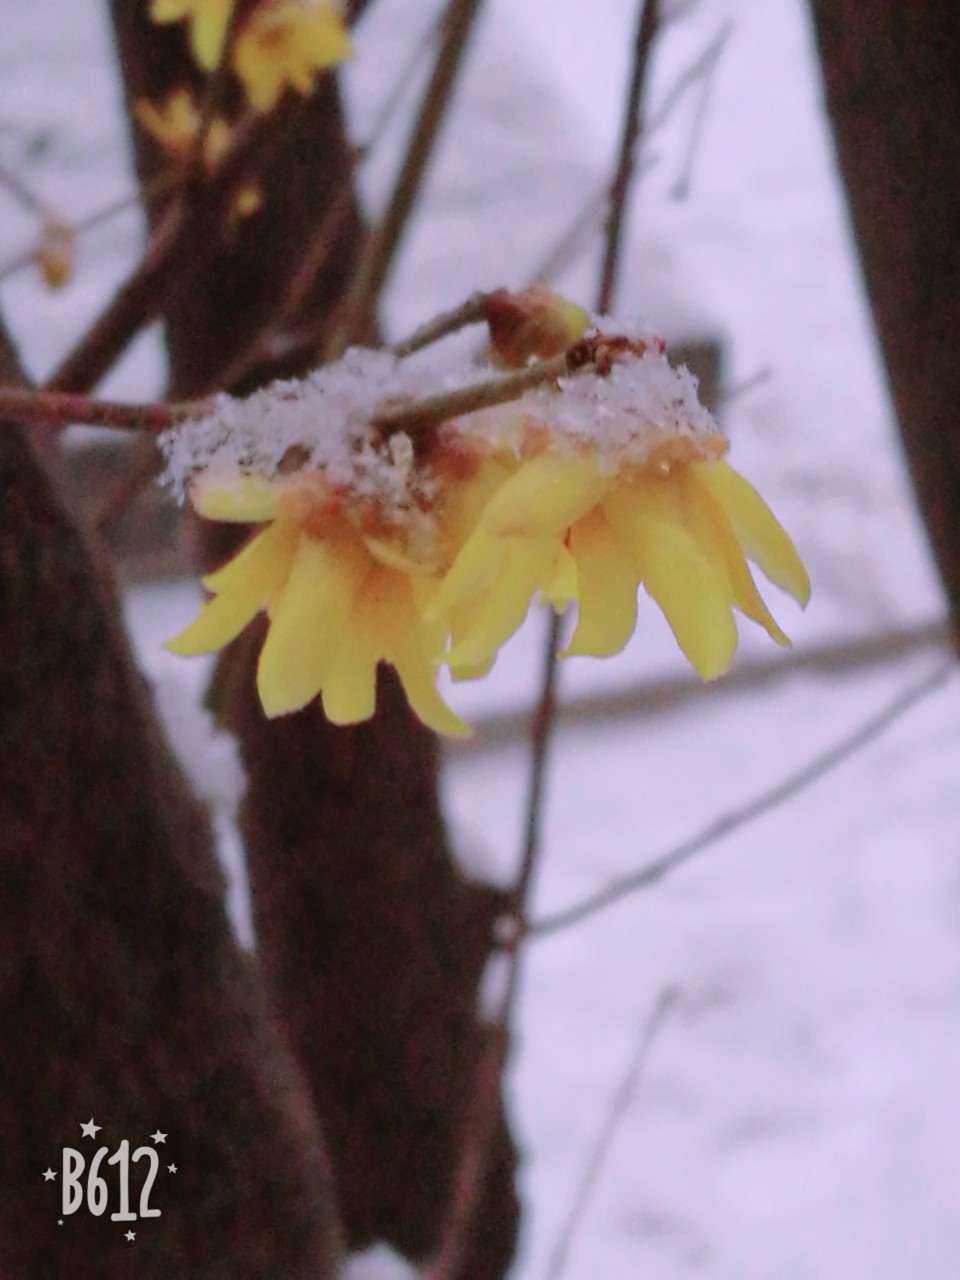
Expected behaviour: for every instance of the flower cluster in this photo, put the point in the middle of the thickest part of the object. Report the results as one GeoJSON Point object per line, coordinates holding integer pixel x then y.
{"type": "Point", "coordinates": [426, 549]}
{"type": "Point", "coordinates": [282, 43]}
{"type": "Point", "coordinates": [174, 125]}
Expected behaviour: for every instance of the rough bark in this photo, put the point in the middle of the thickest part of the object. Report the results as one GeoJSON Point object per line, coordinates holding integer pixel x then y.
{"type": "Point", "coordinates": [371, 941]}
{"type": "Point", "coordinates": [123, 996]}
{"type": "Point", "coordinates": [892, 78]}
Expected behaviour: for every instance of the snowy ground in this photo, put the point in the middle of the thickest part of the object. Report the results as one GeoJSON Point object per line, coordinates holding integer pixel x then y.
{"type": "Point", "coordinates": [798, 1117]}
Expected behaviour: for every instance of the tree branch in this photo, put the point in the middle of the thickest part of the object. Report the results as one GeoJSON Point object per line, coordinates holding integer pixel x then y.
{"type": "Point", "coordinates": [793, 785]}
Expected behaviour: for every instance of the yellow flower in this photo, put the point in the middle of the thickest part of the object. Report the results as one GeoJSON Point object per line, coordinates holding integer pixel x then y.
{"type": "Point", "coordinates": [208, 25]}
{"type": "Point", "coordinates": [287, 42]}
{"type": "Point", "coordinates": [681, 522]}
{"type": "Point", "coordinates": [424, 552]}
{"type": "Point", "coordinates": [339, 601]}
{"type": "Point", "coordinates": [174, 124]}
{"type": "Point", "coordinates": [282, 42]}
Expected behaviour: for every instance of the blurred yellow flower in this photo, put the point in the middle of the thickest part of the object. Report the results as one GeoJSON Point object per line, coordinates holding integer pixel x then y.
{"type": "Point", "coordinates": [287, 42]}
{"type": "Point", "coordinates": [208, 25]}
{"type": "Point", "coordinates": [281, 43]}
{"type": "Point", "coordinates": [338, 602]}
{"type": "Point", "coordinates": [175, 123]}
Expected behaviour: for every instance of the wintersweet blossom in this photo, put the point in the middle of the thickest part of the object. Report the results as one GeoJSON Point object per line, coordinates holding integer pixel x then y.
{"type": "Point", "coordinates": [288, 42]}
{"type": "Point", "coordinates": [426, 548]}
{"type": "Point", "coordinates": [282, 43]}
{"type": "Point", "coordinates": [208, 21]}
{"type": "Point", "coordinates": [338, 601]}
{"type": "Point", "coordinates": [174, 125]}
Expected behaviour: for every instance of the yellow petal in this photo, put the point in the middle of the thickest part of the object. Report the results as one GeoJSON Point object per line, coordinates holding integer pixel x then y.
{"type": "Point", "coordinates": [757, 529]}
{"type": "Point", "coordinates": [208, 31]}
{"type": "Point", "coordinates": [606, 588]}
{"type": "Point", "coordinates": [170, 10]}
{"type": "Point", "coordinates": [243, 585]}
{"type": "Point", "coordinates": [326, 39]}
{"type": "Point", "coordinates": [262, 566]}
{"type": "Point", "coordinates": [350, 689]}
{"type": "Point", "coordinates": [708, 522]}
{"type": "Point", "coordinates": [560, 586]}
{"type": "Point", "coordinates": [504, 606]}
{"type": "Point", "coordinates": [648, 515]}
{"type": "Point", "coordinates": [248, 499]}
{"type": "Point", "coordinates": [314, 604]}
{"type": "Point", "coordinates": [472, 573]}
{"type": "Point", "coordinates": [545, 496]}
{"type": "Point", "coordinates": [387, 608]}
{"type": "Point", "coordinates": [462, 621]}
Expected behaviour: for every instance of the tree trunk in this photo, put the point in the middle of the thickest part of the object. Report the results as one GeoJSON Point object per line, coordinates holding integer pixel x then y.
{"type": "Point", "coordinates": [123, 996]}
{"type": "Point", "coordinates": [371, 941]}
{"type": "Point", "coordinates": [892, 77]}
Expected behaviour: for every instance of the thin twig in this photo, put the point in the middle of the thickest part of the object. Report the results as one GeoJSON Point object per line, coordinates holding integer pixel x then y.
{"type": "Point", "coordinates": [64, 409]}
{"type": "Point", "coordinates": [648, 698]}
{"type": "Point", "coordinates": [16, 186]}
{"type": "Point", "coordinates": [647, 24]}
{"type": "Point", "coordinates": [794, 784]}
{"type": "Point", "coordinates": [571, 242]}
{"type": "Point", "coordinates": [619, 1105]}
{"type": "Point", "coordinates": [418, 414]}
{"type": "Point", "coordinates": [747, 385]}
{"type": "Point", "coordinates": [381, 245]}
{"type": "Point", "coordinates": [702, 67]}
{"type": "Point", "coordinates": [95, 219]}
{"type": "Point", "coordinates": [473, 311]}
{"type": "Point", "coordinates": [177, 243]}
{"type": "Point", "coordinates": [481, 1117]}
{"type": "Point", "coordinates": [681, 188]}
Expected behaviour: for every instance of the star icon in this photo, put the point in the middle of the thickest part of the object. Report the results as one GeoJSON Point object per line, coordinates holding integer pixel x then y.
{"type": "Point", "coordinates": [158, 1137]}
{"type": "Point", "coordinates": [49, 1175]}
{"type": "Point", "coordinates": [171, 1168]}
{"type": "Point", "coordinates": [59, 1222]}
{"type": "Point", "coordinates": [89, 1130]}
{"type": "Point", "coordinates": [131, 1235]}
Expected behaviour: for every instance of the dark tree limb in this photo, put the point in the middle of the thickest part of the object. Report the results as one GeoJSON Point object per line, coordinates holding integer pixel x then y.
{"type": "Point", "coordinates": [123, 995]}
{"type": "Point", "coordinates": [892, 79]}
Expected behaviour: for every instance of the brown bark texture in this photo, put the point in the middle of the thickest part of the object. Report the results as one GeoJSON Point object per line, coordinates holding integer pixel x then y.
{"type": "Point", "coordinates": [371, 941]}
{"type": "Point", "coordinates": [892, 79]}
{"type": "Point", "coordinates": [123, 996]}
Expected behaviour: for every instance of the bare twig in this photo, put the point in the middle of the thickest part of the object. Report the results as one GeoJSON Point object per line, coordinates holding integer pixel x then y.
{"type": "Point", "coordinates": [95, 219]}
{"type": "Point", "coordinates": [747, 385]}
{"type": "Point", "coordinates": [572, 241]}
{"type": "Point", "coordinates": [479, 1124]}
{"type": "Point", "coordinates": [63, 409]}
{"type": "Point", "coordinates": [429, 411]}
{"type": "Point", "coordinates": [473, 311]}
{"type": "Point", "coordinates": [381, 245]}
{"type": "Point", "coordinates": [23, 194]}
{"type": "Point", "coordinates": [701, 68]}
{"type": "Point", "coordinates": [183, 231]}
{"type": "Point", "coordinates": [619, 1104]}
{"type": "Point", "coordinates": [794, 784]}
{"type": "Point", "coordinates": [681, 188]}
{"type": "Point", "coordinates": [647, 24]}
{"type": "Point", "coordinates": [657, 697]}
